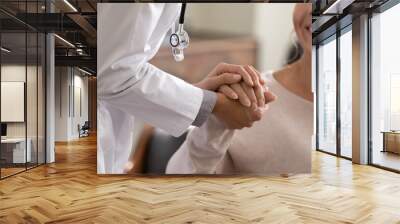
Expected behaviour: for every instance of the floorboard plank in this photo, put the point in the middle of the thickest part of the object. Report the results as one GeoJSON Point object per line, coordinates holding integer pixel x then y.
{"type": "Point", "coordinates": [70, 191]}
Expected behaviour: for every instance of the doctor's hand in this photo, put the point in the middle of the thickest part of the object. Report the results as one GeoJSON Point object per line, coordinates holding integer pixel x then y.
{"type": "Point", "coordinates": [248, 96]}
{"type": "Point", "coordinates": [226, 74]}
{"type": "Point", "coordinates": [234, 115]}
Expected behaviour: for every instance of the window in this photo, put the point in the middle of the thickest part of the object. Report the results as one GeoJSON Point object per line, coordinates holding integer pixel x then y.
{"type": "Point", "coordinates": [385, 89]}
{"type": "Point", "coordinates": [346, 94]}
{"type": "Point", "coordinates": [394, 102]}
{"type": "Point", "coordinates": [22, 77]}
{"type": "Point", "coordinates": [327, 97]}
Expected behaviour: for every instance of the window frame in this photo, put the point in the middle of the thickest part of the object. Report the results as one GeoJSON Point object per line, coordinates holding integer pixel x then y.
{"type": "Point", "coordinates": [334, 37]}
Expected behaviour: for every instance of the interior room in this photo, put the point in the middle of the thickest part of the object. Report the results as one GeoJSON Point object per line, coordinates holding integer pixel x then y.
{"type": "Point", "coordinates": [22, 102]}
{"type": "Point", "coordinates": [25, 69]}
{"type": "Point", "coordinates": [334, 73]}
{"type": "Point", "coordinates": [48, 104]}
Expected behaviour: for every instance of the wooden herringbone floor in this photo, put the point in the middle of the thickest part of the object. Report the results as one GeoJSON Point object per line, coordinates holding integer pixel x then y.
{"type": "Point", "coordinates": [70, 191]}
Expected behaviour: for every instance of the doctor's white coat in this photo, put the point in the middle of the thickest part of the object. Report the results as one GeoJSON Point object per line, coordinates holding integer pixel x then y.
{"type": "Point", "coordinates": [129, 35]}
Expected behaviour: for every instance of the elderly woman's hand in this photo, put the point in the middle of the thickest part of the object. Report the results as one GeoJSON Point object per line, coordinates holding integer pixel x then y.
{"type": "Point", "coordinates": [238, 82]}
{"type": "Point", "coordinates": [226, 74]}
{"type": "Point", "coordinates": [255, 96]}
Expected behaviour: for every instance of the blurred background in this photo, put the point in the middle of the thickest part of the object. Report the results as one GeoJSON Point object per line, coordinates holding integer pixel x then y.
{"type": "Point", "coordinates": [241, 33]}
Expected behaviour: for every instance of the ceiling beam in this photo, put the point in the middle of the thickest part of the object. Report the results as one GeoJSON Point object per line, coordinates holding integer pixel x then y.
{"type": "Point", "coordinates": [84, 24]}
{"type": "Point", "coordinates": [81, 61]}
{"type": "Point", "coordinates": [337, 7]}
{"type": "Point", "coordinates": [320, 23]}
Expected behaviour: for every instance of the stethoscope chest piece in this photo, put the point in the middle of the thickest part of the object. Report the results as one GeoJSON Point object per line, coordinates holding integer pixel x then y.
{"type": "Point", "coordinates": [174, 40]}
{"type": "Point", "coordinates": [179, 40]}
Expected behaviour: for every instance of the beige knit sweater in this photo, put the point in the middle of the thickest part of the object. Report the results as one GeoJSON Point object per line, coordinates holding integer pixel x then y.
{"type": "Point", "coordinates": [279, 143]}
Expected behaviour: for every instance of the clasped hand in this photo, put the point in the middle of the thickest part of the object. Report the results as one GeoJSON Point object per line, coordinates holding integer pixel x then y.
{"type": "Point", "coordinates": [242, 95]}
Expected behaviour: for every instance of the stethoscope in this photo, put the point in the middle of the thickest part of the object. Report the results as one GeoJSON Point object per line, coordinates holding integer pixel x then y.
{"type": "Point", "coordinates": [179, 40]}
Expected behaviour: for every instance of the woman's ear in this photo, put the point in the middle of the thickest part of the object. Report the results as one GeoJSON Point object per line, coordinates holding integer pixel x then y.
{"type": "Point", "coordinates": [295, 51]}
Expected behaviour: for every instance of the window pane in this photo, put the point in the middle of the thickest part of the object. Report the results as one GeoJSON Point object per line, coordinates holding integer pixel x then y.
{"type": "Point", "coordinates": [31, 99]}
{"type": "Point", "coordinates": [346, 94]}
{"type": "Point", "coordinates": [14, 150]}
{"type": "Point", "coordinates": [41, 98]}
{"type": "Point", "coordinates": [22, 89]}
{"type": "Point", "coordinates": [386, 89]}
{"type": "Point", "coordinates": [327, 97]}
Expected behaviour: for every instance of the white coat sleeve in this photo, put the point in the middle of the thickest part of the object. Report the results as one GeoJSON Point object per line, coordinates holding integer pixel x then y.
{"type": "Point", "coordinates": [129, 36]}
{"type": "Point", "coordinates": [203, 149]}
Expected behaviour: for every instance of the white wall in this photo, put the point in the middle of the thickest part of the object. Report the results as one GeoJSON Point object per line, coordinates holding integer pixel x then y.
{"type": "Point", "coordinates": [270, 24]}
{"type": "Point", "coordinates": [274, 31]}
{"type": "Point", "coordinates": [61, 103]}
{"type": "Point", "coordinates": [80, 83]}
{"type": "Point", "coordinates": [17, 73]}
{"type": "Point", "coordinates": [33, 126]}
{"type": "Point", "coordinates": [68, 82]}
{"type": "Point", "coordinates": [235, 19]}
{"type": "Point", "coordinates": [12, 73]}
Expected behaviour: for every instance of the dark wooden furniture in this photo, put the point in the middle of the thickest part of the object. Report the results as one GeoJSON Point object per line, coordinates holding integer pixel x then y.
{"type": "Point", "coordinates": [391, 141]}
